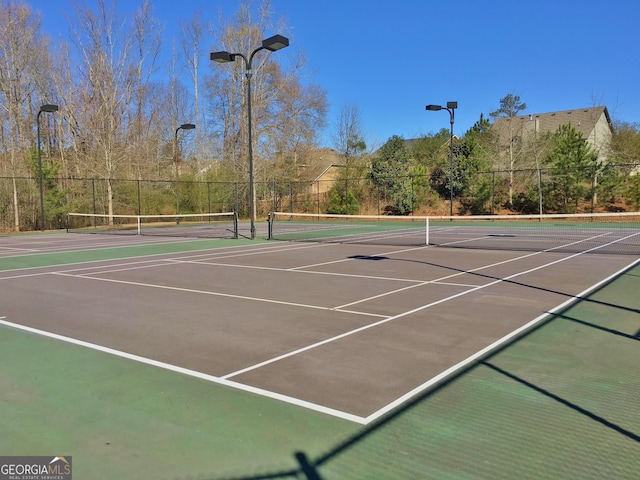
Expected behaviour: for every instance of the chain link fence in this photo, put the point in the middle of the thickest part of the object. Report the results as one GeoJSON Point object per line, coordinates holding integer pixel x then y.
{"type": "Point", "coordinates": [532, 191]}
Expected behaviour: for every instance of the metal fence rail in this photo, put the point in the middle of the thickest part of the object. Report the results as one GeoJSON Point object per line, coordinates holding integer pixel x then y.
{"type": "Point", "coordinates": [614, 188]}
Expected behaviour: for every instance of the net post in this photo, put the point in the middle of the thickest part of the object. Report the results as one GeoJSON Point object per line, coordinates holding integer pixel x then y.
{"type": "Point", "coordinates": [67, 220]}
{"type": "Point", "coordinates": [235, 224]}
{"type": "Point", "coordinates": [139, 224]}
{"type": "Point", "coordinates": [427, 231]}
{"type": "Point", "coordinates": [269, 222]}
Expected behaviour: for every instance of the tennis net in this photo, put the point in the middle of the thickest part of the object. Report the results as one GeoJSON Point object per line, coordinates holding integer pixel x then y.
{"type": "Point", "coordinates": [373, 229]}
{"type": "Point", "coordinates": [594, 233]}
{"type": "Point", "coordinates": [201, 225]}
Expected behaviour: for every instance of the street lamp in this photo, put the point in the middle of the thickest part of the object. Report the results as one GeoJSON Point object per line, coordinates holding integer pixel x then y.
{"type": "Point", "coordinates": [184, 126]}
{"type": "Point", "coordinates": [451, 106]}
{"type": "Point", "coordinates": [272, 44]}
{"type": "Point", "coordinates": [44, 108]}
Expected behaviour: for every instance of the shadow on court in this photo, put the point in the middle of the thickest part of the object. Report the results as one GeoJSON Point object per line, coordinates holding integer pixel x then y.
{"type": "Point", "coordinates": [537, 404]}
{"type": "Point", "coordinates": [506, 281]}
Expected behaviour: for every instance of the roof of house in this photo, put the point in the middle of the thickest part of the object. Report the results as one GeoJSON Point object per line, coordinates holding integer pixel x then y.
{"type": "Point", "coordinates": [321, 160]}
{"type": "Point", "coordinates": [582, 119]}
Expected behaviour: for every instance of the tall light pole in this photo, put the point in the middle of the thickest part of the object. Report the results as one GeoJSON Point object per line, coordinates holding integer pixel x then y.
{"type": "Point", "coordinates": [184, 126]}
{"type": "Point", "coordinates": [44, 108]}
{"type": "Point", "coordinates": [272, 44]}
{"type": "Point", "coordinates": [451, 106]}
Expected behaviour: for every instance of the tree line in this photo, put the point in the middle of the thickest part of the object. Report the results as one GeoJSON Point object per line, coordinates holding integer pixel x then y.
{"type": "Point", "coordinates": [484, 173]}
{"type": "Point", "coordinates": [122, 98]}
{"type": "Point", "coordinates": [123, 95]}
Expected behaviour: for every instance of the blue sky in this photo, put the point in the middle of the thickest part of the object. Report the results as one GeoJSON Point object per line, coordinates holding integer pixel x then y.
{"type": "Point", "coordinates": [391, 58]}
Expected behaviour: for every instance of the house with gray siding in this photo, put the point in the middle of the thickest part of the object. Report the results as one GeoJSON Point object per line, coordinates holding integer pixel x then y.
{"type": "Point", "coordinates": [594, 123]}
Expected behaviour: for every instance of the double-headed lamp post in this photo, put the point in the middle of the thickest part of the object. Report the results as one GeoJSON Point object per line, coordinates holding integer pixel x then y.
{"type": "Point", "coordinates": [451, 106]}
{"type": "Point", "coordinates": [272, 44]}
{"type": "Point", "coordinates": [44, 108]}
{"type": "Point", "coordinates": [184, 126]}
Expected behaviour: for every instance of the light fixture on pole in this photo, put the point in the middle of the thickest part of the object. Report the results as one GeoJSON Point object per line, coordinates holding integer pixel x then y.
{"type": "Point", "coordinates": [184, 126]}
{"type": "Point", "coordinates": [44, 108]}
{"type": "Point", "coordinates": [272, 44]}
{"type": "Point", "coordinates": [451, 106]}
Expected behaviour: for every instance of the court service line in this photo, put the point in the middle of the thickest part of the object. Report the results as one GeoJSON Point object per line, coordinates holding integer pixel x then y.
{"type": "Point", "coordinates": [404, 314]}
{"type": "Point", "coordinates": [181, 258]}
{"type": "Point", "coordinates": [440, 280]}
{"type": "Point", "coordinates": [258, 251]}
{"type": "Point", "coordinates": [192, 373]}
{"type": "Point", "coordinates": [139, 264]}
{"type": "Point", "coordinates": [23, 275]}
{"type": "Point", "coordinates": [205, 292]}
{"type": "Point", "coordinates": [84, 247]}
{"type": "Point", "coordinates": [84, 269]}
{"type": "Point", "coordinates": [331, 262]}
{"type": "Point", "coordinates": [311, 272]}
{"type": "Point", "coordinates": [141, 257]}
{"type": "Point", "coordinates": [368, 238]}
{"type": "Point", "coordinates": [133, 241]}
{"type": "Point", "coordinates": [453, 275]}
{"type": "Point", "coordinates": [164, 262]}
{"type": "Point", "coordinates": [20, 249]}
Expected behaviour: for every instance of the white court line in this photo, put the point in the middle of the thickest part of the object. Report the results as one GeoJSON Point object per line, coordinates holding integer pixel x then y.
{"type": "Point", "coordinates": [260, 251]}
{"type": "Point", "coordinates": [360, 238]}
{"type": "Point", "coordinates": [223, 380]}
{"type": "Point", "coordinates": [82, 269]}
{"type": "Point", "coordinates": [342, 260]}
{"type": "Point", "coordinates": [205, 292]}
{"type": "Point", "coordinates": [404, 314]}
{"type": "Point", "coordinates": [440, 280]}
{"type": "Point", "coordinates": [63, 247]}
{"type": "Point", "coordinates": [191, 373]}
{"type": "Point", "coordinates": [148, 261]}
{"type": "Point", "coordinates": [295, 270]}
{"type": "Point", "coordinates": [453, 275]}
{"type": "Point", "coordinates": [120, 244]}
{"type": "Point", "coordinates": [19, 249]}
{"type": "Point", "coordinates": [140, 257]}
{"type": "Point", "coordinates": [188, 259]}
{"type": "Point", "coordinates": [495, 345]}
{"type": "Point", "coordinates": [170, 261]}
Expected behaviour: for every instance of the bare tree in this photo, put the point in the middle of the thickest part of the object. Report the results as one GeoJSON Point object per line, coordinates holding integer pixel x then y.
{"type": "Point", "coordinates": [111, 76]}
{"type": "Point", "coordinates": [285, 112]}
{"type": "Point", "coordinates": [192, 34]}
{"type": "Point", "coordinates": [145, 51]}
{"type": "Point", "coordinates": [348, 137]}
{"type": "Point", "coordinates": [23, 86]}
{"type": "Point", "coordinates": [510, 106]}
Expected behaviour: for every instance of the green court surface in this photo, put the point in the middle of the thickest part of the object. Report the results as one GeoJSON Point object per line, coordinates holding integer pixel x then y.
{"type": "Point", "coordinates": [560, 402]}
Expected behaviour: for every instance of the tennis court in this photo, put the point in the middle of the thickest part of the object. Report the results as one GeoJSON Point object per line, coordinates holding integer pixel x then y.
{"type": "Point", "coordinates": [352, 330]}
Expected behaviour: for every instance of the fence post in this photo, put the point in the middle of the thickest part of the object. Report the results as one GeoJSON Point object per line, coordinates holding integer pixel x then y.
{"type": "Point", "coordinates": [540, 191]}
{"type": "Point", "coordinates": [291, 196]}
{"type": "Point", "coordinates": [412, 196]}
{"type": "Point", "coordinates": [275, 196]}
{"type": "Point", "coordinates": [208, 197]}
{"type": "Point", "coordinates": [93, 193]}
{"type": "Point", "coordinates": [493, 191]}
{"type": "Point", "coordinates": [593, 191]}
{"type": "Point", "coordinates": [139, 199]}
{"type": "Point", "coordinates": [237, 199]}
{"type": "Point", "coordinates": [346, 195]}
